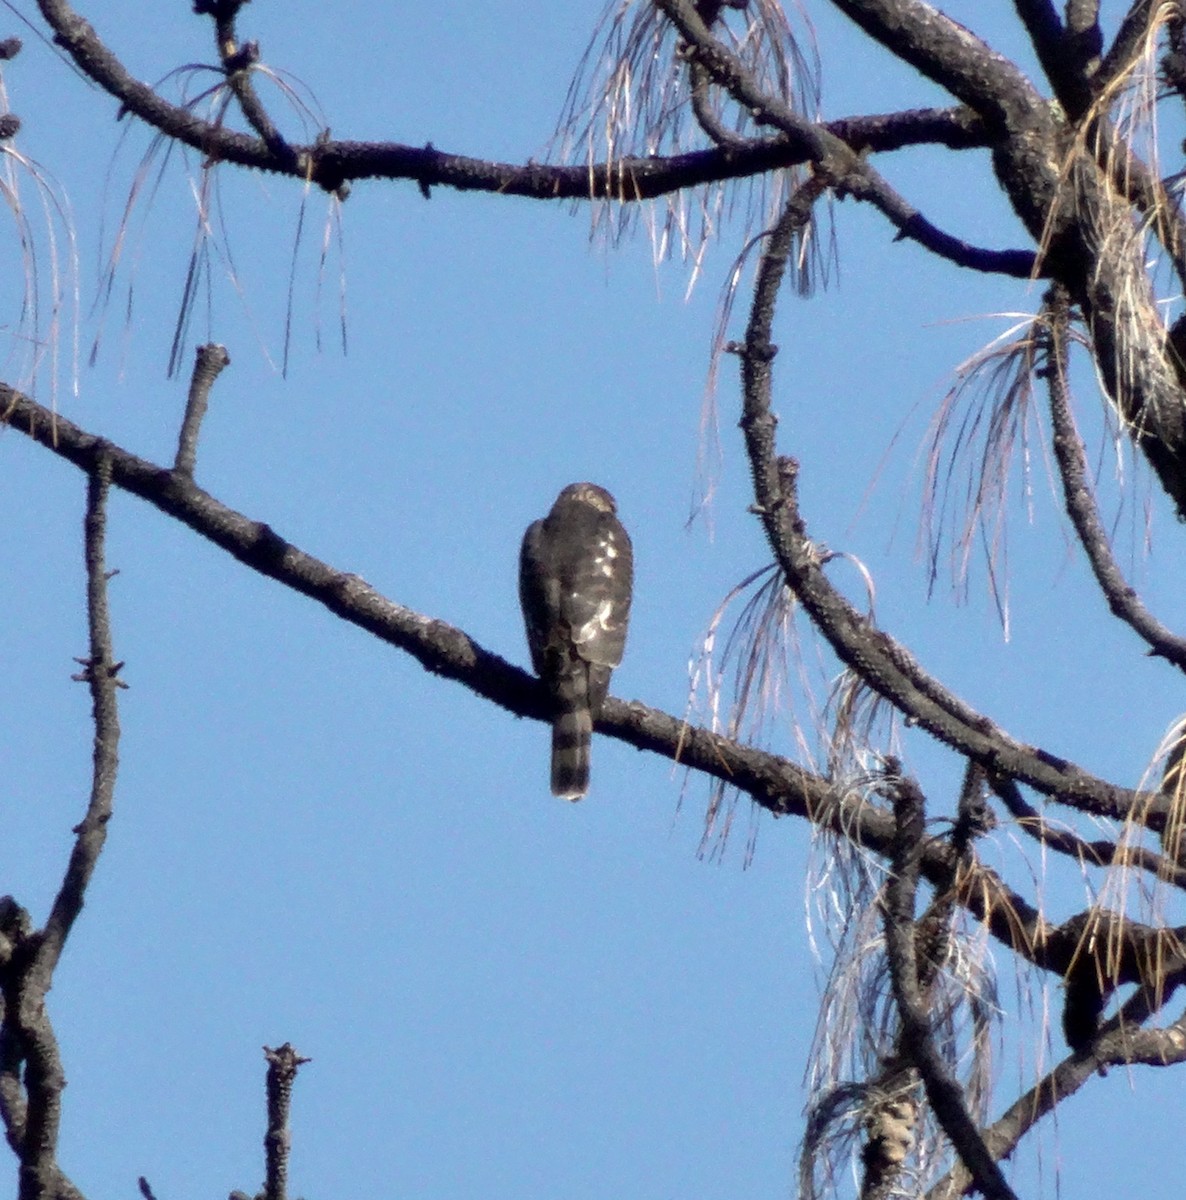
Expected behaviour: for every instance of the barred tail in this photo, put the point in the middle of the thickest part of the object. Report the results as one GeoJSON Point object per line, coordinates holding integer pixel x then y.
{"type": "Point", "coordinates": [572, 735]}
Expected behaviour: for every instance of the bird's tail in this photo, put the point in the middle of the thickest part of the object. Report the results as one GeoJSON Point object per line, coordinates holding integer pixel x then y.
{"type": "Point", "coordinates": [572, 737]}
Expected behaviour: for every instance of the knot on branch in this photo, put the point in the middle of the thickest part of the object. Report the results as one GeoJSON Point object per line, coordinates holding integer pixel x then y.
{"type": "Point", "coordinates": [242, 59]}
{"type": "Point", "coordinates": [757, 350]}
{"type": "Point", "coordinates": [95, 671]}
{"type": "Point", "coordinates": [15, 928]}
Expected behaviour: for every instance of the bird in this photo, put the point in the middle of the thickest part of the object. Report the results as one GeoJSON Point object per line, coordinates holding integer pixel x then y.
{"type": "Point", "coordinates": [576, 580]}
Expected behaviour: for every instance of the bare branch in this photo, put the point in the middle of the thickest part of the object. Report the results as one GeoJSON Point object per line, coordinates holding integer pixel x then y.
{"type": "Point", "coordinates": [943, 1091]}
{"type": "Point", "coordinates": [100, 672]}
{"type": "Point", "coordinates": [1120, 1042]}
{"type": "Point", "coordinates": [775, 783]}
{"type": "Point", "coordinates": [283, 1064]}
{"type": "Point", "coordinates": [1123, 599]}
{"type": "Point", "coordinates": [884, 663]}
{"type": "Point", "coordinates": [209, 362]}
{"type": "Point", "coordinates": [31, 1102]}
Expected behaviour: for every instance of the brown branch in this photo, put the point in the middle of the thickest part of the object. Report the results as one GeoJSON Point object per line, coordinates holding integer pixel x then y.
{"type": "Point", "coordinates": [209, 362]}
{"type": "Point", "coordinates": [100, 672]}
{"type": "Point", "coordinates": [31, 1101]}
{"type": "Point", "coordinates": [1119, 1043]}
{"type": "Point", "coordinates": [943, 1090]}
{"type": "Point", "coordinates": [885, 665]}
{"type": "Point", "coordinates": [283, 1064]}
{"type": "Point", "coordinates": [1102, 852]}
{"type": "Point", "coordinates": [834, 158]}
{"type": "Point", "coordinates": [1123, 599]}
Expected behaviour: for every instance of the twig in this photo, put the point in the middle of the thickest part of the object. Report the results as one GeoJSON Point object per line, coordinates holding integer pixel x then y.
{"type": "Point", "coordinates": [208, 364]}
{"type": "Point", "coordinates": [283, 1064]}
{"type": "Point", "coordinates": [943, 1091]}
{"type": "Point", "coordinates": [237, 62]}
{"type": "Point", "coordinates": [1098, 853]}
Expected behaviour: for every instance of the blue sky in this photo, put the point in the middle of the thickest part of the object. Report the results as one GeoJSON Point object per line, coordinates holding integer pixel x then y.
{"type": "Point", "coordinates": [316, 842]}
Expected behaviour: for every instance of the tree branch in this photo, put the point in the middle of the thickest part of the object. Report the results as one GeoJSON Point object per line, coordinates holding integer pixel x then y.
{"type": "Point", "coordinates": [773, 782]}
{"type": "Point", "coordinates": [1123, 599]}
{"type": "Point", "coordinates": [943, 1091]}
{"type": "Point", "coordinates": [1102, 852]}
{"type": "Point", "coordinates": [329, 164]}
{"type": "Point", "coordinates": [209, 363]}
{"type": "Point", "coordinates": [950, 55]}
{"type": "Point", "coordinates": [848, 173]}
{"type": "Point", "coordinates": [883, 663]}
{"type": "Point", "coordinates": [1119, 1043]}
{"type": "Point", "coordinates": [283, 1064]}
{"type": "Point", "coordinates": [237, 61]}
{"type": "Point", "coordinates": [31, 1104]}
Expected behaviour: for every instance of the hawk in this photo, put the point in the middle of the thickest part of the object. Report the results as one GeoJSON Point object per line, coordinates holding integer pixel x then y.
{"type": "Point", "coordinates": [576, 575]}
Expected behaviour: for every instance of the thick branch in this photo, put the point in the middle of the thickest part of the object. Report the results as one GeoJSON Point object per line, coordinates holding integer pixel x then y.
{"type": "Point", "coordinates": [953, 57]}
{"type": "Point", "coordinates": [283, 1064]}
{"type": "Point", "coordinates": [834, 159]}
{"type": "Point", "coordinates": [1068, 55]}
{"type": "Point", "coordinates": [772, 781]}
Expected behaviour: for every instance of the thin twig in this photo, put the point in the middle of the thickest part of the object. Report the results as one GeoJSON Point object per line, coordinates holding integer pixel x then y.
{"type": "Point", "coordinates": [238, 61]}
{"type": "Point", "coordinates": [208, 363]}
{"type": "Point", "coordinates": [1100, 852]}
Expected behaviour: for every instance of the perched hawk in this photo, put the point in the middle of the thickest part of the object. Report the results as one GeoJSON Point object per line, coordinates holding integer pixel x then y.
{"type": "Point", "coordinates": [576, 573]}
